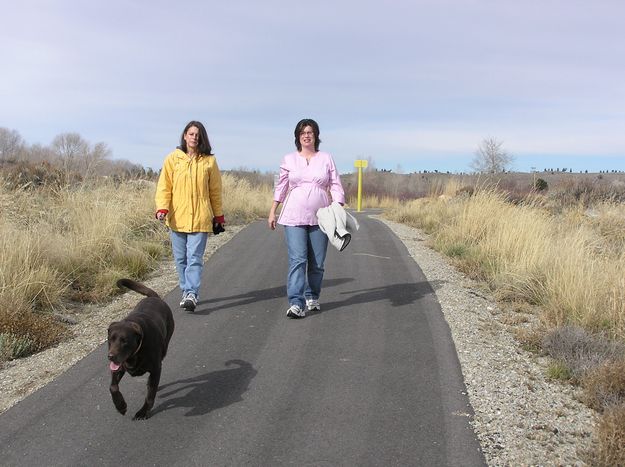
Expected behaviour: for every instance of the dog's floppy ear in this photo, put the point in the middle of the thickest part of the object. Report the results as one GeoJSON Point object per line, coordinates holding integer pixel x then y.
{"type": "Point", "coordinates": [137, 329]}
{"type": "Point", "coordinates": [114, 323]}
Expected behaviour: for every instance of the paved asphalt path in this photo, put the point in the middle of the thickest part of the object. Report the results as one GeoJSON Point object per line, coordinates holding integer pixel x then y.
{"type": "Point", "coordinates": [372, 379]}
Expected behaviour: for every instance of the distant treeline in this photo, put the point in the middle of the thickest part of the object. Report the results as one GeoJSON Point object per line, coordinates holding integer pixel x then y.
{"type": "Point", "coordinates": [447, 172]}
{"type": "Point", "coordinates": [69, 158]}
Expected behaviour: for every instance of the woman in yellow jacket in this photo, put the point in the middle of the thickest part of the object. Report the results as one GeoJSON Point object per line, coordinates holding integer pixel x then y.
{"type": "Point", "coordinates": [188, 199]}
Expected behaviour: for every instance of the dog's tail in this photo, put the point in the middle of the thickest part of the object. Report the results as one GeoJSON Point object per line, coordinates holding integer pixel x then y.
{"type": "Point", "coordinates": [137, 287]}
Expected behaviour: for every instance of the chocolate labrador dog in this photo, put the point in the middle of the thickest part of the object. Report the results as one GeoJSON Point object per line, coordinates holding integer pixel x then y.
{"type": "Point", "coordinates": [138, 344]}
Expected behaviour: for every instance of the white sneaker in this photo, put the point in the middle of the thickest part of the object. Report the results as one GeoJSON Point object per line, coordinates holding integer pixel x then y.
{"type": "Point", "coordinates": [189, 302]}
{"type": "Point", "coordinates": [313, 304]}
{"type": "Point", "coordinates": [295, 311]}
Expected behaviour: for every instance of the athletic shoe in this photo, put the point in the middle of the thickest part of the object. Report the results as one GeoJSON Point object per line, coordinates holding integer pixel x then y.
{"type": "Point", "coordinates": [295, 312]}
{"type": "Point", "coordinates": [313, 304]}
{"type": "Point", "coordinates": [190, 302]}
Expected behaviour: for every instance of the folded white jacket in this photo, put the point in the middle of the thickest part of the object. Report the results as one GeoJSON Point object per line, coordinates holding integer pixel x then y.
{"type": "Point", "coordinates": [337, 224]}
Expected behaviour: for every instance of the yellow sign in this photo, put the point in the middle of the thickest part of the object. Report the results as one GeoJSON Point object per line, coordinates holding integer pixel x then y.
{"type": "Point", "coordinates": [360, 164]}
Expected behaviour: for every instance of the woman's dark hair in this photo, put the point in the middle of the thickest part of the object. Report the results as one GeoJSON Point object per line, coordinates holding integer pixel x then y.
{"type": "Point", "coordinates": [204, 145]}
{"type": "Point", "coordinates": [300, 127]}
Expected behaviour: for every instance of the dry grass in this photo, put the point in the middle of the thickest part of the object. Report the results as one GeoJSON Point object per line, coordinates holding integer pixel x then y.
{"type": "Point", "coordinates": [374, 202]}
{"type": "Point", "coordinates": [564, 264]}
{"type": "Point", "coordinates": [244, 201]}
{"type": "Point", "coordinates": [610, 435]}
{"type": "Point", "coordinates": [71, 244]}
{"type": "Point", "coordinates": [605, 385]}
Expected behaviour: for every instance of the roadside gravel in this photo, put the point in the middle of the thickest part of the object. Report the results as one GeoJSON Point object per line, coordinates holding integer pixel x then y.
{"type": "Point", "coordinates": [521, 417]}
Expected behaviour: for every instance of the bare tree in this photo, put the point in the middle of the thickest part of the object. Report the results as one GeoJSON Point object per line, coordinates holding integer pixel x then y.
{"type": "Point", "coordinates": [39, 153]}
{"type": "Point", "coordinates": [121, 168]}
{"type": "Point", "coordinates": [93, 159]}
{"type": "Point", "coordinates": [490, 157]}
{"type": "Point", "coordinates": [70, 147]}
{"type": "Point", "coordinates": [11, 144]}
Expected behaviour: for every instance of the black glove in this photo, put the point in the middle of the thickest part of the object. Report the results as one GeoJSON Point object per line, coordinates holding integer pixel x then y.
{"type": "Point", "coordinates": [218, 228]}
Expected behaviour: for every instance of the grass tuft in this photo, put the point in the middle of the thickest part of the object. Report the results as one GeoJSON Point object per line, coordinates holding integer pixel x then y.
{"type": "Point", "coordinates": [12, 346]}
{"type": "Point", "coordinates": [559, 370]}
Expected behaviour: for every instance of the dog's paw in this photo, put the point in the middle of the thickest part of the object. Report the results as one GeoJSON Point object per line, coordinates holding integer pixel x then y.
{"type": "Point", "coordinates": [141, 415]}
{"type": "Point", "coordinates": [120, 403]}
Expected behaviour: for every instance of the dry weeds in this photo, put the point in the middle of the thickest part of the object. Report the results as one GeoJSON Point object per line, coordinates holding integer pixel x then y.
{"type": "Point", "coordinates": [604, 387]}
{"type": "Point", "coordinates": [610, 435]}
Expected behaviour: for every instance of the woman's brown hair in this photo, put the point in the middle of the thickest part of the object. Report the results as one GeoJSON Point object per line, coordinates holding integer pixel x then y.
{"type": "Point", "coordinates": [204, 145]}
{"type": "Point", "coordinates": [300, 127]}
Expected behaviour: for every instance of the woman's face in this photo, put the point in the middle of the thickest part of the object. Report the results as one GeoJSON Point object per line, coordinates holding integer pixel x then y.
{"type": "Point", "coordinates": [307, 137]}
{"type": "Point", "coordinates": [192, 137]}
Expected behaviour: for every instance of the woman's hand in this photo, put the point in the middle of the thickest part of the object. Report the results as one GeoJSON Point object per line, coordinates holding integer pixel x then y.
{"type": "Point", "coordinates": [271, 221]}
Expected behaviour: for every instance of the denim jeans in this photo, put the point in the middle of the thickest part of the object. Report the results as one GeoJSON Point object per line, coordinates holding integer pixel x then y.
{"type": "Point", "coordinates": [188, 249]}
{"type": "Point", "coordinates": [307, 246]}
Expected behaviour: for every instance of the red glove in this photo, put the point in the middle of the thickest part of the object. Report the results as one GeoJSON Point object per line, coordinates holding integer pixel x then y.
{"type": "Point", "coordinates": [161, 214]}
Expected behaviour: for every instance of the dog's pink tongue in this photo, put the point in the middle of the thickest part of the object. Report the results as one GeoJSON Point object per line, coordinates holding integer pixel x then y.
{"type": "Point", "coordinates": [113, 366]}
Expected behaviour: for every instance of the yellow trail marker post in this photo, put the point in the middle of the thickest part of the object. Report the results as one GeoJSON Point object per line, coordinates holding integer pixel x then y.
{"type": "Point", "coordinates": [360, 164]}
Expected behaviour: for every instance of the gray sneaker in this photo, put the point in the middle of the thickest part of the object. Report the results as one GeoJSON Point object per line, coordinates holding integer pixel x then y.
{"type": "Point", "coordinates": [313, 304]}
{"type": "Point", "coordinates": [295, 311]}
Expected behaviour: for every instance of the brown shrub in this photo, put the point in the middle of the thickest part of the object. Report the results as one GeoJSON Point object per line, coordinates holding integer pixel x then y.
{"type": "Point", "coordinates": [610, 434]}
{"type": "Point", "coordinates": [587, 192]}
{"type": "Point", "coordinates": [605, 386]}
{"type": "Point", "coordinates": [23, 175]}
{"type": "Point", "coordinates": [530, 339]}
{"type": "Point", "coordinates": [27, 333]}
{"type": "Point", "coordinates": [581, 351]}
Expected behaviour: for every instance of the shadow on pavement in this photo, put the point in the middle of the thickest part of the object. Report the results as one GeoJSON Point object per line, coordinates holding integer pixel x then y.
{"type": "Point", "coordinates": [396, 294]}
{"type": "Point", "coordinates": [254, 296]}
{"type": "Point", "coordinates": [204, 393]}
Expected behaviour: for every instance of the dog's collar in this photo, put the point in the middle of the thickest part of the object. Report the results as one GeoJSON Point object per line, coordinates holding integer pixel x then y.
{"type": "Point", "coordinates": [125, 364]}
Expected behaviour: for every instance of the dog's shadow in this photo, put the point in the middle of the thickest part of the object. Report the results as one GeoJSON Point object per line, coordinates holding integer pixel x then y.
{"type": "Point", "coordinates": [204, 393]}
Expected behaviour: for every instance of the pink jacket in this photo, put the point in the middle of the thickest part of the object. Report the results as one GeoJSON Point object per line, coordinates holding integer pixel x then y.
{"type": "Point", "coordinates": [303, 187]}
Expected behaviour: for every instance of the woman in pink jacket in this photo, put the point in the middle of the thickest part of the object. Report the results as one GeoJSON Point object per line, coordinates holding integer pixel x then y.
{"type": "Point", "coordinates": [306, 176]}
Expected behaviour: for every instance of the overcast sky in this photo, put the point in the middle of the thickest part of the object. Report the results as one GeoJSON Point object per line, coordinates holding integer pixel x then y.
{"type": "Point", "coordinates": [412, 84]}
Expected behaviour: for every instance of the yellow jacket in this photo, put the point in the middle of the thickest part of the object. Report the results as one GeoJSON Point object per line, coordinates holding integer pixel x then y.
{"type": "Point", "coordinates": [190, 190]}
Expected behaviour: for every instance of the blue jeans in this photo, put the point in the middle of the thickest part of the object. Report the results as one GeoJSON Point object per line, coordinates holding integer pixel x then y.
{"type": "Point", "coordinates": [307, 246]}
{"type": "Point", "coordinates": [188, 249]}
